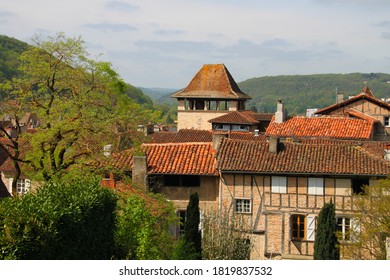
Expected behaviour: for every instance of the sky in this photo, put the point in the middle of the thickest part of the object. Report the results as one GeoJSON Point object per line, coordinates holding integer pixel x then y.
{"type": "Point", "coordinates": [164, 43]}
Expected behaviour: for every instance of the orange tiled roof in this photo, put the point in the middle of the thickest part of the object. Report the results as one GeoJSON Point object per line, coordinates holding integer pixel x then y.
{"type": "Point", "coordinates": [242, 117]}
{"type": "Point", "coordinates": [327, 127]}
{"type": "Point", "coordinates": [212, 81]}
{"type": "Point", "coordinates": [297, 158]}
{"type": "Point", "coordinates": [172, 158]}
{"type": "Point", "coordinates": [198, 135]}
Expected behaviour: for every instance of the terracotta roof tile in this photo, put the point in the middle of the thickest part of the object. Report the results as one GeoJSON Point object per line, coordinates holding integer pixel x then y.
{"type": "Point", "coordinates": [162, 137]}
{"type": "Point", "coordinates": [327, 127]}
{"type": "Point", "coordinates": [212, 81]}
{"type": "Point", "coordinates": [197, 135]}
{"type": "Point", "coordinates": [296, 158]}
{"type": "Point", "coordinates": [238, 117]}
{"type": "Point", "coordinates": [173, 158]}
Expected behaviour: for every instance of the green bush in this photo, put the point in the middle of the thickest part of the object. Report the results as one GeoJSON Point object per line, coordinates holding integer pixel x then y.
{"type": "Point", "coordinates": [59, 221]}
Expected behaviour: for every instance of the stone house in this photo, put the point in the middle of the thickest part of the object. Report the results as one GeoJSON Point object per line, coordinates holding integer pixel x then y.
{"type": "Point", "coordinates": [363, 105]}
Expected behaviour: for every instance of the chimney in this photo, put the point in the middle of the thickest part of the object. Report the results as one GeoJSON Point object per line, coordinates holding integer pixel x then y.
{"type": "Point", "coordinates": [340, 97]}
{"type": "Point", "coordinates": [107, 150]}
{"type": "Point", "coordinates": [217, 139]}
{"type": "Point", "coordinates": [139, 172]}
{"type": "Point", "coordinates": [256, 132]}
{"type": "Point", "coordinates": [273, 145]}
{"type": "Point", "coordinates": [280, 114]}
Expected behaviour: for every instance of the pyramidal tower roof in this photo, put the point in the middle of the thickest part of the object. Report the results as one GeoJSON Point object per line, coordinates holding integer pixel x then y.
{"type": "Point", "coordinates": [212, 81]}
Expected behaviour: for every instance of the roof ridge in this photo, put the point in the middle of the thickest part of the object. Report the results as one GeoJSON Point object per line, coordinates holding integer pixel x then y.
{"type": "Point", "coordinates": [176, 144]}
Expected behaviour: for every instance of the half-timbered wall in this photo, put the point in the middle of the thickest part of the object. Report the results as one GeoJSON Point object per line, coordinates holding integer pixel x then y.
{"type": "Point", "coordinates": [272, 213]}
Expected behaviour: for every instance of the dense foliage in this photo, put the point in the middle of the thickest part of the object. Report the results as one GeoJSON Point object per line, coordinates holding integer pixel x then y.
{"type": "Point", "coordinates": [372, 227]}
{"type": "Point", "coordinates": [326, 245]}
{"type": "Point", "coordinates": [143, 228]}
{"type": "Point", "coordinates": [80, 104]}
{"type": "Point", "coordinates": [59, 221]}
{"type": "Point", "coordinates": [10, 50]}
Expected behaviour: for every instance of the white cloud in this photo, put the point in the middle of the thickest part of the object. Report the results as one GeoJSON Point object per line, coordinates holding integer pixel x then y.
{"type": "Point", "coordinates": [164, 43]}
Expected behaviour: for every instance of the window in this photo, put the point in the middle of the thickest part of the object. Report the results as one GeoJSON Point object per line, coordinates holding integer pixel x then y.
{"type": "Point", "coordinates": [316, 186]}
{"type": "Point", "coordinates": [278, 184]}
{"type": "Point", "coordinates": [347, 228]}
{"type": "Point", "coordinates": [387, 121]}
{"type": "Point", "coordinates": [181, 180]}
{"type": "Point", "coordinates": [23, 186]}
{"type": "Point", "coordinates": [303, 227]}
{"type": "Point", "coordinates": [240, 128]}
{"type": "Point", "coordinates": [242, 205]}
{"type": "Point", "coordinates": [199, 105]}
{"type": "Point", "coordinates": [298, 227]}
{"type": "Point", "coordinates": [224, 105]}
{"type": "Point", "coordinates": [358, 185]}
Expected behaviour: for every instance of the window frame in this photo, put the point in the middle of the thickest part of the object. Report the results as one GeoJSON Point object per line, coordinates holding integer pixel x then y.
{"type": "Point", "coordinates": [23, 186]}
{"type": "Point", "coordinates": [315, 186]}
{"type": "Point", "coordinates": [386, 121]}
{"type": "Point", "coordinates": [243, 206]}
{"type": "Point", "coordinates": [349, 232]}
{"type": "Point", "coordinates": [296, 234]}
{"type": "Point", "coordinates": [277, 186]}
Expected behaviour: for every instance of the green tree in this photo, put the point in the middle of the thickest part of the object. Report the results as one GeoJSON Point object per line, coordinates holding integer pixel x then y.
{"type": "Point", "coordinates": [80, 103]}
{"type": "Point", "coordinates": [143, 227]}
{"type": "Point", "coordinates": [326, 245]}
{"type": "Point", "coordinates": [59, 221]}
{"type": "Point", "coordinates": [190, 244]}
{"type": "Point", "coordinates": [372, 223]}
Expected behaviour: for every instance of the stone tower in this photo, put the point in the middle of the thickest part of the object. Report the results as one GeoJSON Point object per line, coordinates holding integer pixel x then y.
{"type": "Point", "coordinates": [210, 94]}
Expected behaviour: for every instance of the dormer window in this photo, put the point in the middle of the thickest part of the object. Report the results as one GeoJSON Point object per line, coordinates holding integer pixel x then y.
{"type": "Point", "coordinates": [386, 121]}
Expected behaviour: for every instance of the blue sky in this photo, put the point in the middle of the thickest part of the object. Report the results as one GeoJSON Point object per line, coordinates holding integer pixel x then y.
{"type": "Point", "coordinates": [163, 43]}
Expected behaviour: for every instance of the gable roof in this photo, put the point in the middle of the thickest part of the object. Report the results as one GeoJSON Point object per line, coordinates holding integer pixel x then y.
{"type": "Point", "coordinates": [212, 81]}
{"type": "Point", "coordinates": [365, 93]}
{"type": "Point", "coordinates": [172, 158]}
{"type": "Point", "coordinates": [296, 158]}
{"type": "Point", "coordinates": [327, 127]}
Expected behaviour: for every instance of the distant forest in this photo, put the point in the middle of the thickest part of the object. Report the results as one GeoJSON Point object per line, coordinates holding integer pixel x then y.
{"type": "Point", "coordinates": [298, 92]}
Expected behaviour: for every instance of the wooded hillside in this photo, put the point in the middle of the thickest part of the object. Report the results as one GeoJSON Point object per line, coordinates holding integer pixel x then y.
{"type": "Point", "coordinates": [300, 92]}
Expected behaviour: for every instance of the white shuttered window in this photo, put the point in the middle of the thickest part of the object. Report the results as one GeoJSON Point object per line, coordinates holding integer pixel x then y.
{"type": "Point", "coordinates": [278, 184]}
{"type": "Point", "coordinates": [316, 186]}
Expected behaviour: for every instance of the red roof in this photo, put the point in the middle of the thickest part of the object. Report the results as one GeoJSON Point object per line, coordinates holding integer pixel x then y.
{"type": "Point", "coordinates": [212, 81]}
{"type": "Point", "coordinates": [327, 127]}
{"type": "Point", "coordinates": [242, 117]}
{"type": "Point", "coordinates": [297, 158]}
{"type": "Point", "coordinates": [173, 158]}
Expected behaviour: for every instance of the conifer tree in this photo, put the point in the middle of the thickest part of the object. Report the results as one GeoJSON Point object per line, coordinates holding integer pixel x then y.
{"type": "Point", "coordinates": [326, 245]}
{"type": "Point", "coordinates": [192, 233]}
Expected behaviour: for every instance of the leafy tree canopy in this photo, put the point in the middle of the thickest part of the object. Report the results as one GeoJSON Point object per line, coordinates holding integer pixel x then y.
{"type": "Point", "coordinates": [80, 103]}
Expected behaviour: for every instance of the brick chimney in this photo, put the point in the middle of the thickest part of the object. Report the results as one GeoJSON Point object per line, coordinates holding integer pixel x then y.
{"type": "Point", "coordinates": [280, 114]}
{"type": "Point", "coordinates": [140, 171]}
